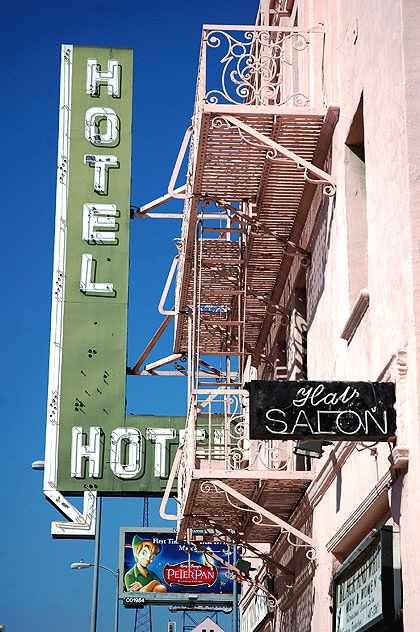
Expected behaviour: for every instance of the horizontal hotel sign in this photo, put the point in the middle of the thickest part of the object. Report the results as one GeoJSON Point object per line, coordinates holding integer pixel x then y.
{"type": "Point", "coordinates": [352, 411]}
{"type": "Point", "coordinates": [131, 459]}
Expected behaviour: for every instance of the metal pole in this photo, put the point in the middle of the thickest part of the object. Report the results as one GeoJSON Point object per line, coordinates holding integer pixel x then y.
{"type": "Point", "coordinates": [235, 597]}
{"type": "Point", "coordinates": [94, 612]}
{"type": "Point", "coordinates": [117, 603]}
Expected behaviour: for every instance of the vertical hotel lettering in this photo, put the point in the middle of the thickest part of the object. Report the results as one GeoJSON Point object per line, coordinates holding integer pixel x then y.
{"type": "Point", "coordinates": [101, 129]}
{"type": "Point", "coordinates": [88, 348]}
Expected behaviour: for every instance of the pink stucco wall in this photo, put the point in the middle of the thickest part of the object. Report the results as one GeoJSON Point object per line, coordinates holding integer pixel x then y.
{"type": "Point", "coordinates": [377, 54]}
{"type": "Point", "coordinates": [366, 238]}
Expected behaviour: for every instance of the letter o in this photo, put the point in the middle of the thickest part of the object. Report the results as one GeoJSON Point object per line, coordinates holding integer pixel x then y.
{"type": "Point", "coordinates": [92, 133]}
{"type": "Point", "coordinates": [135, 452]}
{"type": "Point", "coordinates": [347, 413]}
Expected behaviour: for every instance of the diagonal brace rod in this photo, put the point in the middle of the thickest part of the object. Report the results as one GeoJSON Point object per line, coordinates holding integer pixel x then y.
{"type": "Point", "coordinates": [257, 225]}
{"type": "Point", "coordinates": [162, 327]}
{"type": "Point", "coordinates": [267, 514]}
{"type": "Point", "coordinates": [250, 547]}
{"type": "Point", "coordinates": [240, 576]}
{"type": "Point", "coordinates": [249, 290]}
{"type": "Point", "coordinates": [323, 175]}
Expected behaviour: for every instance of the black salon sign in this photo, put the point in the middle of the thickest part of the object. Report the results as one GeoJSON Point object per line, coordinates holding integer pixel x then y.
{"type": "Point", "coordinates": [354, 411]}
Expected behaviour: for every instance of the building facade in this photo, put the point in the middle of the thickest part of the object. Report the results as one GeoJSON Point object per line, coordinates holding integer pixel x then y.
{"type": "Point", "coordinates": [299, 261]}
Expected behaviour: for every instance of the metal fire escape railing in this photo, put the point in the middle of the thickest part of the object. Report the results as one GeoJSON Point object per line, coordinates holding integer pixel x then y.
{"type": "Point", "coordinates": [258, 144]}
{"type": "Point", "coordinates": [260, 125]}
{"type": "Point", "coordinates": [217, 425]}
{"type": "Point", "coordinates": [217, 350]}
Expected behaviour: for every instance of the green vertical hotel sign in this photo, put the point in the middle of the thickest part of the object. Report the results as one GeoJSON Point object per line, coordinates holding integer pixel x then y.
{"type": "Point", "coordinates": [90, 287]}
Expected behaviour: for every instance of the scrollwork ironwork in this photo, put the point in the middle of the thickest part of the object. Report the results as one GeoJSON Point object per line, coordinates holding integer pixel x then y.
{"type": "Point", "coordinates": [220, 121]}
{"type": "Point", "coordinates": [235, 458]}
{"type": "Point", "coordinates": [259, 69]}
{"type": "Point", "coordinates": [329, 190]}
{"type": "Point", "coordinates": [207, 487]}
{"type": "Point", "coordinates": [310, 553]}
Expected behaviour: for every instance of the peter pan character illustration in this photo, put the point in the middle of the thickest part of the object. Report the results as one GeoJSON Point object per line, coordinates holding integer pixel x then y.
{"type": "Point", "coordinates": [139, 578]}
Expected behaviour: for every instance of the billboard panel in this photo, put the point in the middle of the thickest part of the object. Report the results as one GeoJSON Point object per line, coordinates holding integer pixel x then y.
{"type": "Point", "coordinates": [90, 286]}
{"type": "Point", "coordinates": [155, 569]}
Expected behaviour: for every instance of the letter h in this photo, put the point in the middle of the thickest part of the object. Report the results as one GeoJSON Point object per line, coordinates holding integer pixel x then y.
{"type": "Point", "coordinates": [95, 76]}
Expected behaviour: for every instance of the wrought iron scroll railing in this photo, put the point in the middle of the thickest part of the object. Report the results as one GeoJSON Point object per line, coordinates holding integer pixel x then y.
{"type": "Point", "coordinates": [253, 66]}
{"type": "Point", "coordinates": [249, 69]}
{"type": "Point", "coordinates": [222, 440]}
{"type": "Point", "coordinates": [219, 441]}
{"type": "Point", "coordinates": [258, 65]}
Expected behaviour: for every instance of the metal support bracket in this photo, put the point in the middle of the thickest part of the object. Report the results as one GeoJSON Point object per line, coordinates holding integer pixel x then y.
{"type": "Point", "coordinates": [162, 310]}
{"type": "Point", "coordinates": [136, 368]}
{"type": "Point", "coordinates": [168, 488]}
{"type": "Point", "coordinates": [323, 176]}
{"type": "Point", "coordinates": [241, 577]}
{"type": "Point", "coordinates": [234, 537]}
{"type": "Point", "coordinates": [257, 227]}
{"type": "Point", "coordinates": [172, 191]}
{"type": "Point", "coordinates": [260, 511]}
{"type": "Point", "coordinates": [144, 211]}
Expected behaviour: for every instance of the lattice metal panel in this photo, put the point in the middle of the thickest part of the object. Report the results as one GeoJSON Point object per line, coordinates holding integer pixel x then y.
{"type": "Point", "coordinates": [143, 620]}
{"type": "Point", "coordinates": [278, 494]}
{"type": "Point", "coordinates": [216, 293]}
{"type": "Point", "coordinates": [233, 167]}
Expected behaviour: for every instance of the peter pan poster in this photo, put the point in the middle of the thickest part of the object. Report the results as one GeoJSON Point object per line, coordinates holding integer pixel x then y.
{"type": "Point", "coordinates": [159, 569]}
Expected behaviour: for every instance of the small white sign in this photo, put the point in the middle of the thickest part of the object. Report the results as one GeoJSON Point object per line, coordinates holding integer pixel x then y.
{"type": "Point", "coordinates": [359, 596]}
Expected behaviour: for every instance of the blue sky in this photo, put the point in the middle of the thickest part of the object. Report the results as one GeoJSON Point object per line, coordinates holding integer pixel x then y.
{"type": "Point", "coordinates": [39, 591]}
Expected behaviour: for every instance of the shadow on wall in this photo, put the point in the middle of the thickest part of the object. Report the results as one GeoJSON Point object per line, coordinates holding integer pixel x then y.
{"type": "Point", "coordinates": [298, 617]}
{"type": "Point", "coordinates": [395, 500]}
{"type": "Point", "coordinates": [296, 601]}
{"type": "Point", "coordinates": [319, 246]}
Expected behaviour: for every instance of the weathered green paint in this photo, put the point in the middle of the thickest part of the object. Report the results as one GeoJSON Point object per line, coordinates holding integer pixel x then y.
{"type": "Point", "coordinates": [95, 326]}
{"type": "Point", "coordinates": [145, 483]}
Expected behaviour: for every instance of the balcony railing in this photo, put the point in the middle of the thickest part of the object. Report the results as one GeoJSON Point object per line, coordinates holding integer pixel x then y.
{"type": "Point", "coordinates": [260, 98]}
{"type": "Point", "coordinates": [255, 65]}
{"type": "Point", "coordinates": [218, 441]}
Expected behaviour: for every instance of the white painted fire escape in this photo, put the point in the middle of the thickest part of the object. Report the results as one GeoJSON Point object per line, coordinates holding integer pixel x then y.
{"type": "Point", "coordinates": [258, 146]}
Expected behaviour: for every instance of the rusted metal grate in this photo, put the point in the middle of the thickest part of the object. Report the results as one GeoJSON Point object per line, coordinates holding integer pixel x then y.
{"type": "Point", "coordinates": [278, 492]}
{"type": "Point", "coordinates": [232, 168]}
